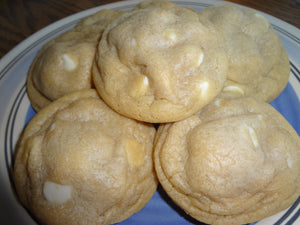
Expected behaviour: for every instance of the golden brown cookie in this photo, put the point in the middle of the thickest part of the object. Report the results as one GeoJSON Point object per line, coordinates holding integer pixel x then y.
{"type": "Point", "coordinates": [236, 161]}
{"type": "Point", "coordinates": [64, 64]}
{"type": "Point", "coordinates": [258, 62]}
{"type": "Point", "coordinates": [79, 162]}
{"type": "Point", "coordinates": [159, 64]}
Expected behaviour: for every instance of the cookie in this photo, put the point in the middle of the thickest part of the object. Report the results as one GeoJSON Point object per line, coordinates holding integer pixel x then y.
{"type": "Point", "coordinates": [63, 65]}
{"type": "Point", "coordinates": [236, 161]}
{"type": "Point", "coordinates": [258, 62]}
{"type": "Point", "coordinates": [156, 4]}
{"type": "Point", "coordinates": [159, 64]}
{"type": "Point", "coordinates": [79, 162]}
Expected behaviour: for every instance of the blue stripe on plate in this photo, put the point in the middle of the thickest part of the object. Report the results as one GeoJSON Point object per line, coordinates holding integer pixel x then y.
{"type": "Point", "coordinates": [9, 145]}
{"type": "Point", "coordinates": [286, 33]}
{"type": "Point", "coordinates": [294, 218]}
{"type": "Point", "coordinates": [295, 71]}
{"type": "Point", "coordinates": [193, 4]}
{"type": "Point", "coordinates": [288, 212]}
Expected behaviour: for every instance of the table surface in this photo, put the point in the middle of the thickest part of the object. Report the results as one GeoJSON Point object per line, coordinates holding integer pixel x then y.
{"type": "Point", "coordinates": [21, 18]}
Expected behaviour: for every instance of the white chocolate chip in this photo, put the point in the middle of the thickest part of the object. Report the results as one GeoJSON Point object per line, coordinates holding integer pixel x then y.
{"type": "Point", "coordinates": [260, 117]}
{"type": "Point", "coordinates": [253, 137]}
{"type": "Point", "coordinates": [146, 81]}
{"type": "Point", "coordinates": [203, 87]}
{"type": "Point", "coordinates": [263, 19]}
{"type": "Point", "coordinates": [170, 35]}
{"type": "Point", "coordinates": [139, 86]}
{"type": "Point", "coordinates": [69, 63]}
{"type": "Point", "coordinates": [200, 58]}
{"type": "Point", "coordinates": [52, 127]}
{"type": "Point", "coordinates": [134, 151]}
{"type": "Point", "coordinates": [233, 88]}
{"type": "Point", "coordinates": [57, 193]}
{"type": "Point", "coordinates": [289, 161]}
{"type": "Point", "coordinates": [133, 42]}
{"type": "Point", "coordinates": [218, 102]}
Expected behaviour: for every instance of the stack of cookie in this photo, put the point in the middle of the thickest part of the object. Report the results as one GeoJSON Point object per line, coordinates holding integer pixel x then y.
{"type": "Point", "coordinates": [91, 155]}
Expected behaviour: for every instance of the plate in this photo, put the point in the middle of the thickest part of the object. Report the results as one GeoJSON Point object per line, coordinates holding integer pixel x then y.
{"type": "Point", "coordinates": [16, 111]}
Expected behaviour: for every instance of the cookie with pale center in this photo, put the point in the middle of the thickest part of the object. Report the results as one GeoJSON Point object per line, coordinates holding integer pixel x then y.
{"type": "Point", "coordinates": [79, 162]}
{"type": "Point", "coordinates": [63, 65]}
{"type": "Point", "coordinates": [236, 161]}
{"type": "Point", "coordinates": [159, 63]}
{"type": "Point", "coordinates": [258, 62]}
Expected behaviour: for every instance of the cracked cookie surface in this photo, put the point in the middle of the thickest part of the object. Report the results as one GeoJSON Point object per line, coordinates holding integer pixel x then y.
{"type": "Point", "coordinates": [63, 65]}
{"type": "Point", "coordinates": [79, 162]}
{"type": "Point", "coordinates": [234, 162]}
{"type": "Point", "coordinates": [258, 62]}
{"type": "Point", "coordinates": [159, 63]}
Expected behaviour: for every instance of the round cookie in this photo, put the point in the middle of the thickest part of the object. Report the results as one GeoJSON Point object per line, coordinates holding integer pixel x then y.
{"type": "Point", "coordinates": [258, 62]}
{"type": "Point", "coordinates": [63, 65]}
{"type": "Point", "coordinates": [79, 162]}
{"type": "Point", "coordinates": [159, 63]}
{"type": "Point", "coordinates": [236, 161]}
